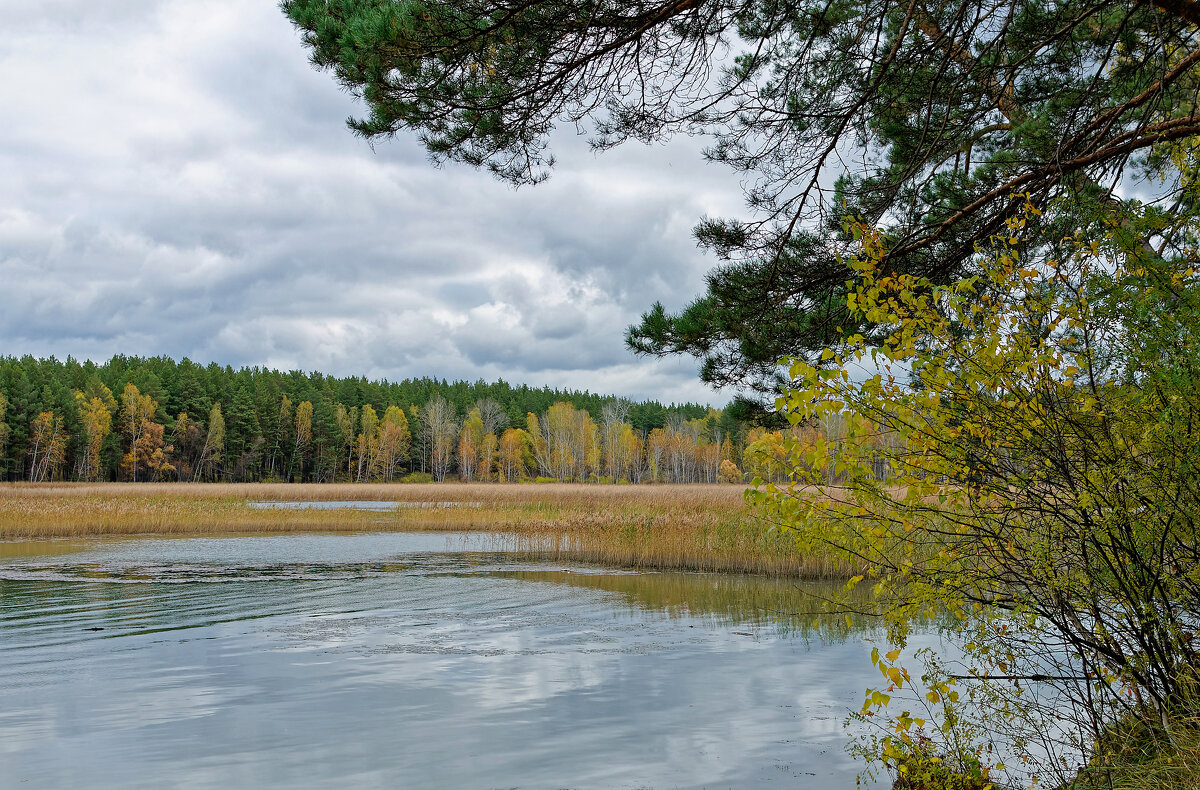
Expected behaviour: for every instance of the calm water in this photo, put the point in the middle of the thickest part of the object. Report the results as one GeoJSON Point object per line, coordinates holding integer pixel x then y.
{"type": "Point", "coordinates": [409, 660]}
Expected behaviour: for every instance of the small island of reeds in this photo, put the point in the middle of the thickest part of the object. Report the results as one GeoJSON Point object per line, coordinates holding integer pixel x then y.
{"type": "Point", "coordinates": [685, 527]}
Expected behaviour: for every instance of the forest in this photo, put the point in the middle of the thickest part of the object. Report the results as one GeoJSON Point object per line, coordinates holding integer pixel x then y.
{"type": "Point", "coordinates": [155, 419]}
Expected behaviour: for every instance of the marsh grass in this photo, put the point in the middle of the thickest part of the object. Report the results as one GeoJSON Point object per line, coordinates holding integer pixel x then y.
{"type": "Point", "coordinates": [689, 527]}
{"type": "Point", "coordinates": [1136, 755]}
{"type": "Point", "coordinates": [685, 541]}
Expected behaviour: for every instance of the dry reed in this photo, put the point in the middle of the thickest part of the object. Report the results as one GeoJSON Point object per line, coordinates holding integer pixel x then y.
{"type": "Point", "coordinates": [693, 527]}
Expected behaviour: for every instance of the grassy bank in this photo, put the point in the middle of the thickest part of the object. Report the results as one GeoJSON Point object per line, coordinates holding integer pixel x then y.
{"type": "Point", "coordinates": [1135, 754]}
{"type": "Point", "coordinates": [693, 527]}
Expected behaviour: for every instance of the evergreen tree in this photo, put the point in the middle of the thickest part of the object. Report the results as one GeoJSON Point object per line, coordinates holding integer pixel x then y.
{"type": "Point", "coordinates": [243, 436]}
{"type": "Point", "coordinates": [930, 118]}
{"type": "Point", "coordinates": [4, 431]}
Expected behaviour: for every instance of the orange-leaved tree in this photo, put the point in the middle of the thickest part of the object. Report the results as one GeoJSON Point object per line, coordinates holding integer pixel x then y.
{"type": "Point", "coordinates": [148, 454]}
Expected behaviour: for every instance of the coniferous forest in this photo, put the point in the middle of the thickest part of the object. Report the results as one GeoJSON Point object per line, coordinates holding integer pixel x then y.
{"type": "Point", "coordinates": [148, 419]}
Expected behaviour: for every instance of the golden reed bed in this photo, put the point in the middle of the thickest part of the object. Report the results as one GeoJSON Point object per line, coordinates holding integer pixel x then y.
{"type": "Point", "coordinates": [693, 527]}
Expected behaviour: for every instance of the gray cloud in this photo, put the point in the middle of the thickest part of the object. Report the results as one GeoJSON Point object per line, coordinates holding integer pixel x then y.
{"type": "Point", "coordinates": [179, 181]}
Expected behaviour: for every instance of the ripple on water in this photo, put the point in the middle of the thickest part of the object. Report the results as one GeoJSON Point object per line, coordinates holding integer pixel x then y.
{"type": "Point", "coordinates": [405, 660]}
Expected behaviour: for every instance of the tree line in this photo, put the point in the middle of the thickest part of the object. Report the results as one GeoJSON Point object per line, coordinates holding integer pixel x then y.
{"type": "Point", "coordinates": [146, 419]}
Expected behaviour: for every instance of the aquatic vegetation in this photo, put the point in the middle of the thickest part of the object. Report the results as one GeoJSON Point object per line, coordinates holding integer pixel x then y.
{"type": "Point", "coordinates": [692, 527]}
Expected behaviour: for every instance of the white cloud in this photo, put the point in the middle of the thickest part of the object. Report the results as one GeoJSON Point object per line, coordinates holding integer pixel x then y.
{"type": "Point", "coordinates": [179, 181]}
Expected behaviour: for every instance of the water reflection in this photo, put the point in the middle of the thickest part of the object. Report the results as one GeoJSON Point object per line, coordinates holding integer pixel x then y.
{"type": "Point", "coordinates": [16, 549]}
{"type": "Point", "coordinates": [404, 660]}
{"type": "Point", "coordinates": [792, 606]}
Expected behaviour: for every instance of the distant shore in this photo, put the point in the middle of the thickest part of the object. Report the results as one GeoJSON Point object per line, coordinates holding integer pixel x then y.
{"type": "Point", "coordinates": [679, 527]}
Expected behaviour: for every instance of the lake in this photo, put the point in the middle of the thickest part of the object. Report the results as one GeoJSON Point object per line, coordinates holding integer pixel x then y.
{"type": "Point", "coordinates": [410, 660]}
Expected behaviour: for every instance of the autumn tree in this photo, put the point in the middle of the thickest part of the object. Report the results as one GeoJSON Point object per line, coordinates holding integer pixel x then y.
{"type": "Point", "coordinates": [394, 444]}
{"type": "Point", "coordinates": [150, 453]}
{"type": "Point", "coordinates": [212, 452]}
{"type": "Point", "coordinates": [302, 438]}
{"type": "Point", "coordinates": [681, 452]}
{"type": "Point", "coordinates": [538, 446]}
{"type": "Point", "coordinates": [515, 455]}
{"type": "Point", "coordinates": [492, 419]}
{"type": "Point", "coordinates": [563, 430]}
{"type": "Point", "coordinates": [566, 442]}
{"type": "Point", "coordinates": [283, 437]}
{"type": "Point", "coordinates": [489, 451]}
{"type": "Point", "coordinates": [96, 415]}
{"type": "Point", "coordinates": [728, 453]}
{"type": "Point", "coordinates": [492, 415]}
{"type": "Point", "coordinates": [137, 413]}
{"type": "Point", "coordinates": [440, 427]}
{"type": "Point", "coordinates": [147, 453]}
{"type": "Point", "coordinates": [368, 441]}
{"type": "Point", "coordinates": [47, 447]}
{"type": "Point", "coordinates": [656, 453]}
{"type": "Point", "coordinates": [470, 443]}
{"type": "Point", "coordinates": [347, 427]}
{"type": "Point", "coordinates": [1039, 425]}
{"type": "Point", "coordinates": [707, 460]}
{"type": "Point", "coordinates": [628, 452]}
{"type": "Point", "coordinates": [612, 419]}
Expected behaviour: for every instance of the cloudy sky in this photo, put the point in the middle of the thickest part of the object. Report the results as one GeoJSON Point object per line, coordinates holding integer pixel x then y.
{"type": "Point", "coordinates": [179, 181]}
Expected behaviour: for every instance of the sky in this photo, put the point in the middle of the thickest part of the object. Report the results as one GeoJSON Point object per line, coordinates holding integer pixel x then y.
{"type": "Point", "coordinates": [179, 181]}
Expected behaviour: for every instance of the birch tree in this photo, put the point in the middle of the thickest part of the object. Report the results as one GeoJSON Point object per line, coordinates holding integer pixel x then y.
{"type": "Point", "coordinates": [395, 442]}
{"type": "Point", "coordinates": [208, 462]}
{"type": "Point", "coordinates": [137, 415]}
{"type": "Point", "coordinates": [96, 414]}
{"type": "Point", "coordinates": [47, 446]}
{"type": "Point", "coordinates": [302, 438]}
{"type": "Point", "coordinates": [440, 426]}
{"type": "Point", "coordinates": [368, 440]}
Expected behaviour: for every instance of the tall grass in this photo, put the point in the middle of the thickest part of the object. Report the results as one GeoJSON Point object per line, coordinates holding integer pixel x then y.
{"type": "Point", "coordinates": [1136, 755]}
{"type": "Point", "coordinates": [706, 541]}
{"type": "Point", "coordinates": [694, 527]}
